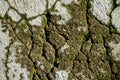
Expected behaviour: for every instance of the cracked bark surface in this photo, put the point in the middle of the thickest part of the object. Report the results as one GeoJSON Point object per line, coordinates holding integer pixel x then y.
{"type": "Point", "coordinates": [59, 40]}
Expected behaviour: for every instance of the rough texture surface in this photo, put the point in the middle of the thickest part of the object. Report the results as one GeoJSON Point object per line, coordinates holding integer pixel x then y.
{"type": "Point", "coordinates": [59, 40]}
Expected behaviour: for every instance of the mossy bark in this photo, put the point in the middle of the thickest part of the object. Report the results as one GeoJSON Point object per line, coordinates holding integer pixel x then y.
{"type": "Point", "coordinates": [87, 55]}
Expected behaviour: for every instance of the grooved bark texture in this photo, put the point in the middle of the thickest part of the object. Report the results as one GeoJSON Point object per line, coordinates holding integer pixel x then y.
{"type": "Point", "coordinates": [59, 40]}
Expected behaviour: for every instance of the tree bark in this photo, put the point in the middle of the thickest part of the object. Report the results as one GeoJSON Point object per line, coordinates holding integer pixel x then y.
{"type": "Point", "coordinates": [59, 40]}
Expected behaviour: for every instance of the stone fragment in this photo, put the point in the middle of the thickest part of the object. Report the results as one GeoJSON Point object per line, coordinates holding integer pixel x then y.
{"type": "Point", "coordinates": [14, 15]}
{"type": "Point", "coordinates": [61, 75]}
{"type": "Point", "coordinates": [15, 71]}
{"type": "Point", "coordinates": [101, 10]}
{"type": "Point", "coordinates": [116, 18]}
{"type": "Point", "coordinates": [60, 10]}
{"type": "Point", "coordinates": [31, 8]}
{"type": "Point", "coordinates": [37, 21]}
{"type": "Point", "coordinates": [3, 7]}
{"type": "Point", "coordinates": [115, 51]}
{"type": "Point", "coordinates": [4, 42]}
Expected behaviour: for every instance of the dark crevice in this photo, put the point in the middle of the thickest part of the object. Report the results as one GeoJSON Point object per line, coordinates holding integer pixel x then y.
{"type": "Point", "coordinates": [88, 35]}
{"type": "Point", "coordinates": [109, 58]}
{"type": "Point", "coordinates": [30, 29]}
{"type": "Point", "coordinates": [47, 75]}
{"type": "Point", "coordinates": [6, 62]}
{"type": "Point", "coordinates": [56, 64]}
{"type": "Point", "coordinates": [114, 4]}
{"type": "Point", "coordinates": [33, 78]}
{"type": "Point", "coordinates": [65, 37]}
{"type": "Point", "coordinates": [44, 53]}
{"type": "Point", "coordinates": [29, 57]}
{"type": "Point", "coordinates": [56, 51]}
{"type": "Point", "coordinates": [52, 7]}
{"type": "Point", "coordinates": [48, 16]}
{"type": "Point", "coordinates": [88, 62]}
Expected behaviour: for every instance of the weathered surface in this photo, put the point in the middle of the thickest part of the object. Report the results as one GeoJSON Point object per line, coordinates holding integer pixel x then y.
{"type": "Point", "coordinates": [59, 40]}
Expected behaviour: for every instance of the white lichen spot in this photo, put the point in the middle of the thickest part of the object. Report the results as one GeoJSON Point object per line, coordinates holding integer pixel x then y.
{"type": "Point", "coordinates": [51, 3]}
{"type": "Point", "coordinates": [29, 7]}
{"type": "Point", "coordinates": [37, 21]}
{"type": "Point", "coordinates": [4, 42]}
{"type": "Point", "coordinates": [101, 10]}
{"type": "Point", "coordinates": [82, 29]}
{"type": "Point", "coordinates": [64, 30]}
{"type": "Point", "coordinates": [83, 76]}
{"type": "Point", "coordinates": [61, 10]}
{"type": "Point", "coordinates": [115, 50]}
{"type": "Point", "coordinates": [15, 71]}
{"type": "Point", "coordinates": [3, 7]}
{"type": "Point", "coordinates": [64, 47]}
{"type": "Point", "coordinates": [61, 75]}
{"type": "Point", "coordinates": [102, 70]}
{"type": "Point", "coordinates": [117, 1]}
{"type": "Point", "coordinates": [14, 15]}
{"type": "Point", "coordinates": [42, 67]}
{"type": "Point", "coordinates": [25, 30]}
{"type": "Point", "coordinates": [116, 18]}
{"type": "Point", "coordinates": [40, 64]}
{"type": "Point", "coordinates": [17, 31]}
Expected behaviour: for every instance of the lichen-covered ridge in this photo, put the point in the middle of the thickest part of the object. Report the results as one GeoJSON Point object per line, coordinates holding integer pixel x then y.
{"type": "Point", "coordinates": [59, 40]}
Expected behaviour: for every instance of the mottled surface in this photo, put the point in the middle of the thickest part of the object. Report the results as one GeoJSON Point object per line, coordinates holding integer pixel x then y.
{"type": "Point", "coordinates": [59, 40]}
